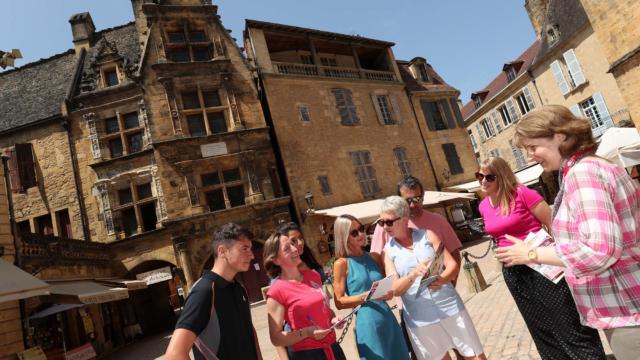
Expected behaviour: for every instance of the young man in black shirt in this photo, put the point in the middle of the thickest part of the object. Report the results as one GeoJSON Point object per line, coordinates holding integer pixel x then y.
{"type": "Point", "coordinates": [216, 320]}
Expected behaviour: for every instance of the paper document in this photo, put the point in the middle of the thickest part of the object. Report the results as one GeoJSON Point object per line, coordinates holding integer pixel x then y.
{"type": "Point", "coordinates": [543, 239]}
{"type": "Point", "coordinates": [346, 317]}
{"type": "Point", "coordinates": [381, 287]}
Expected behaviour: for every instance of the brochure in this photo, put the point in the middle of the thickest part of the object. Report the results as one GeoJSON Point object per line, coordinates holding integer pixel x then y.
{"type": "Point", "coordinates": [542, 239]}
{"type": "Point", "coordinates": [381, 287]}
{"type": "Point", "coordinates": [435, 269]}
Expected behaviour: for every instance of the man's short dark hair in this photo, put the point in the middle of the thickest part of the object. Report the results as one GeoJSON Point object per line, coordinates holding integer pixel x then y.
{"type": "Point", "coordinates": [410, 182]}
{"type": "Point", "coordinates": [227, 234]}
{"type": "Point", "coordinates": [284, 228]}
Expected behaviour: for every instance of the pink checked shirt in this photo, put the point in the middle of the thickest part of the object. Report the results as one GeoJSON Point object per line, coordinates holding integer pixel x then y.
{"type": "Point", "coordinates": [596, 230]}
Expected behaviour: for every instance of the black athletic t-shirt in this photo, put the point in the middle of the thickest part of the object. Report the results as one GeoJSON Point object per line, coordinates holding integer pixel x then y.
{"type": "Point", "coordinates": [237, 340]}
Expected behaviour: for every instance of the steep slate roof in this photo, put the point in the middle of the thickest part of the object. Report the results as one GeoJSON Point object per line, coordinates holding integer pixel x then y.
{"type": "Point", "coordinates": [437, 83]}
{"type": "Point", "coordinates": [125, 40]}
{"type": "Point", "coordinates": [500, 82]}
{"type": "Point", "coordinates": [569, 15]}
{"type": "Point", "coordinates": [35, 91]}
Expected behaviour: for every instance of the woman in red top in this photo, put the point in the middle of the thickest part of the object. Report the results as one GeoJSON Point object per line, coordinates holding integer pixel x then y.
{"type": "Point", "coordinates": [297, 297]}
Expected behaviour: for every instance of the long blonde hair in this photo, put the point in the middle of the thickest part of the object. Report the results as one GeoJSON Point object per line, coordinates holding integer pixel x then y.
{"type": "Point", "coordinates": [341, 230]}
{"type": "Point", "coordinates": [506, 181]}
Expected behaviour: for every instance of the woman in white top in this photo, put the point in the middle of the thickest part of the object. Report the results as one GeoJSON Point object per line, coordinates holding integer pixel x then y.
{"type": "Point", "coordinates": [434, 315]}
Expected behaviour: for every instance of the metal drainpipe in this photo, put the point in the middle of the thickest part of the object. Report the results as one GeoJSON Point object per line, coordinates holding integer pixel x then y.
{"type": "Point", "coordinates": [424, 142]}
{"type": "Point", "coordinates": [76, 180]}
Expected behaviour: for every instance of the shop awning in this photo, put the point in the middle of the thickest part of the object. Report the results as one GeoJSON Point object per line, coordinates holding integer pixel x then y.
{"type": "Point", "coordinates": [368, 211]}
{"type": "Point", "coordinates": [54, 309]}
{"type": "Point", "coordinates": [85, 292]}
{"type": "Point", "coordinates": [621, 146]}
{"type": "Point", "coordinates": [16, 284]}
{"type": "Point", "coordinates": [528, 176]}
{"type": "Point", "coordinates": [125, 283]}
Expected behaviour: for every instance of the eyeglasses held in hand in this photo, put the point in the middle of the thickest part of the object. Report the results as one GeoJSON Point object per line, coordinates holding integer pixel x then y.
{"type": "Point", "coordinates": [358, 231]}
{"type": "Point", "coordinates": [389, 223]}
{"type": "Point", "coordinates": [488, 177]}
{"type": "Point", "coordinates": [414, 200]}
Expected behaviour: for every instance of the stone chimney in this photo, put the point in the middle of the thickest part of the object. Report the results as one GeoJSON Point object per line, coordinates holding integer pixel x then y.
{"type": "Point", "coordinates": [537, 11]}
{"type": "Point", "coordinates": [82, 29]}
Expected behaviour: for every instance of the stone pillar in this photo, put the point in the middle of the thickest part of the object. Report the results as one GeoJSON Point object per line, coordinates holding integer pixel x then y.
{"type": "Point", "coordinates": [142, 115]}
{"type": "Point", "coordinates": [255, 195]}
{"type": "Point", "coordinates": [106, 208]}
{"type": "Point", "coordinates": [173, 106]}
{"type": "Point", "coordinates": [234, 114]}
{"type": "Point", "coordinates": [90, 118]}
{"type": "Point", "coordinates": [161, 207]}
{"type": "Point", "coordinates": [180, 246]}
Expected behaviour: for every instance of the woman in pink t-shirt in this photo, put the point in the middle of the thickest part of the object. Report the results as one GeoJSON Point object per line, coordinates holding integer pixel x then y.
{"type": "Point", "coordinates": [547, 308]}
{"type": "Point", "coordinates": [297, 297]}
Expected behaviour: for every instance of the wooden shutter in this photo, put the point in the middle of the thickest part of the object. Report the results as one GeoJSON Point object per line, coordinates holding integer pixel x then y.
{"type": "Point", "coordinates": [428, 116]}
{"type": "Point", "coordinates": [376, 105]}
{"type": "Point", "coordinates": [602, 109]}
{"type": "Point", "coordinates": [395, 108]}
{"type": "Point", "coordinates": [451, 124]}
{"type": "Point", "coordinates": [481, 133]}
{"type": "Point", "coordinates": [574, 67]}
{"type": "Point", "coordinates": [14, 173]}
{"type": "Point", "coordinates": [528, 97]}
{"type": "Point", "coordinates": [513, 113]}
{"type": "Point", "coordinates": [496, 121]}
{"type": "Point", "coordinates": [351, 108]}
{"type": "Point", "coordinates": [559, 76]}
{"type": "Point", "coordinates": [452, 158]}
{"type": "Point", "coordinates": [575, 109]}
{"type": "Point", "coordinates": [341, 105]}
{"type": "Point", "coordinates": [26, 165]}
{"type": "Point", "coordinates": [458, 114]}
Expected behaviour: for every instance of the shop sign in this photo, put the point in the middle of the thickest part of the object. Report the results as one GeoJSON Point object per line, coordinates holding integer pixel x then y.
{"type": "Point", "coordinates": [156, 276]}
{"type": "Point", "coordinates": [84, 352]}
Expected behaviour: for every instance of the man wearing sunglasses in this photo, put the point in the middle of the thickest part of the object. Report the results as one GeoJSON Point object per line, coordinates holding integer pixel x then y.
{"type": "Point", "coordinates": [411, 189]}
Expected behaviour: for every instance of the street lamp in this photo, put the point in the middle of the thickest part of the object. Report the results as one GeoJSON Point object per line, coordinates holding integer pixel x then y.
{"type": "Point", "coordinates": [8, 58]}
{"type": "Point", "coordinates": [308, 197]}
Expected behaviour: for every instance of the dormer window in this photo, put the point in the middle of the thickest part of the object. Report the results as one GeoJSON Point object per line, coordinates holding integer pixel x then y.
{"type": "Point", "coordinates": [110, 77]}
{"type": "Point", "coordinates": [553, 34]}
{"type": "Point", "coordinates": [422, 73]}
{"type": "Point", "coordinates": [477, 101]}
{"type": "Point", "coordinates": [188, 46]}
{"type": "Point", "coordinates": [511, 73]}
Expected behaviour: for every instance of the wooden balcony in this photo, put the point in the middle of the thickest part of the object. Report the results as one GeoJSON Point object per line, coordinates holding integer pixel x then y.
{"type": "Point", "coordinates": [332, 72]}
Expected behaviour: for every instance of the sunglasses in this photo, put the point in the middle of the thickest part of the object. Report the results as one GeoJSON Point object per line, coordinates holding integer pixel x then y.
{"type": "Point", "coordinates": [389, 223]}
{"type": "Point", "coordinates": [414, 200]}
{"type": "Point", "coordinates": [488, 177]}
{"type": "Point", "coordinates": [356, 232]}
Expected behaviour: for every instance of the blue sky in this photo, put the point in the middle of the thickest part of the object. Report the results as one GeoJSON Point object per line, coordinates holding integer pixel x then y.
{"type": "Point", "coordinates": [467, 41]}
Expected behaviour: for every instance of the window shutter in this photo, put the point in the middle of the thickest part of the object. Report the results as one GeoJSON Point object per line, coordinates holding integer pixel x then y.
{"type": "Point", "coordinates": [496, 121]}
{"type": "Point", "coordinates": [456, 111]}
{"type": "Point", "coordinates": [602, 109]}
{"type": "Point", "coordinates": [528, 97]}
{"type": "Point", "coordinates": [559, 76]}
{"type": "Point", "coordinates": [451, 123]}
{"type": "Point", "coordinates": [396, 108]}
{"type": "Point", "coordinates": [574, 67]}
{"type": "Point", "coordinates": [513, 113]}
{"type": "Point", "coordinates": [376, 105]}
{"type": "Point", "coordinates": [351, 108]}
{"type": "Point", "coordinates": [14, 174]}
{"type": "Point", "coordinates": [575, 109]}
{"type": "Point", "coordinates": [26, 165]}
{"type": "Point", "coordinates": [428, 116]}
{"type": "Point", "coordinates": [481, 133]}
{"type": "Point", "coordinates": [452, 158]}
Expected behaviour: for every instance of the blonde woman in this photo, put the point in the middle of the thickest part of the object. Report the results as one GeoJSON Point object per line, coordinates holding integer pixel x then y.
{"type": "Point", "coordinates": [297, 297]}
{"type": "Point", "coordinates": [547, 308]}
{"type": "Point", "coordinates": [378, 334]}
{"type": "Point", "coordinates": [596, 226]}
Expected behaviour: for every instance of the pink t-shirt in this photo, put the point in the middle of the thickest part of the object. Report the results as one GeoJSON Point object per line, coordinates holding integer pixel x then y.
{"type": "Point", "coordinates": [305, 304]}
{"type": "Point", "coordinates": [428, 220]}
{"type": "Point", "coordinates": [520, 221]}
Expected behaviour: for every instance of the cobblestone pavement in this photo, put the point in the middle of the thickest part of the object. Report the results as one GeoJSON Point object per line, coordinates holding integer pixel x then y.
{"type": "Point", "coordinates": [499, 324]}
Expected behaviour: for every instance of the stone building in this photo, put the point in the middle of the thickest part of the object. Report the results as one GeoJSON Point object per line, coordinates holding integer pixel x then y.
{"type": "Point", "coordinates": [138, 143]}
{"type": "Point", "coordinates": [492, 111]}
{"type": "Point", "coordinates": [615, 25]}
{"type": "Point", "coordinates": [346, 130]}
{"type": "Point", "coordinates": [571, 68]}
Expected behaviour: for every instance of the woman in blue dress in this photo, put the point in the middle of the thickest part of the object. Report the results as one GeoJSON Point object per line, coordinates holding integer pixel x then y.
{"type": "Point", "coordinates": [378, 334]}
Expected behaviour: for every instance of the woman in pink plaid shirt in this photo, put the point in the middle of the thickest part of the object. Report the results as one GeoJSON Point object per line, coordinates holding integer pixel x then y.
{"type": "Point", "coordinates": [596, 226]}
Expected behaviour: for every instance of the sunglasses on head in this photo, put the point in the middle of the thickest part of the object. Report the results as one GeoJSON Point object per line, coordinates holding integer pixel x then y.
{"type": "Point", "coordinates": [415, 200]}
{"type": "Point", "coordinates": [389, 223]}
{"type": "Point", "coordinates": [356, 232]}
{"type": "Point", "coordinates": [488, 177]}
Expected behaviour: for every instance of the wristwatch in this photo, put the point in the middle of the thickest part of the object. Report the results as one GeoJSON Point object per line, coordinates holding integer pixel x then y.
{"type": "Point", "coordinates": [532, 255]}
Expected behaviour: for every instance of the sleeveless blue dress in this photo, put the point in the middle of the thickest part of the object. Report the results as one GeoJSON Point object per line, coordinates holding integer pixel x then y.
{"type": "Point", "coordinates": [378, 334]}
